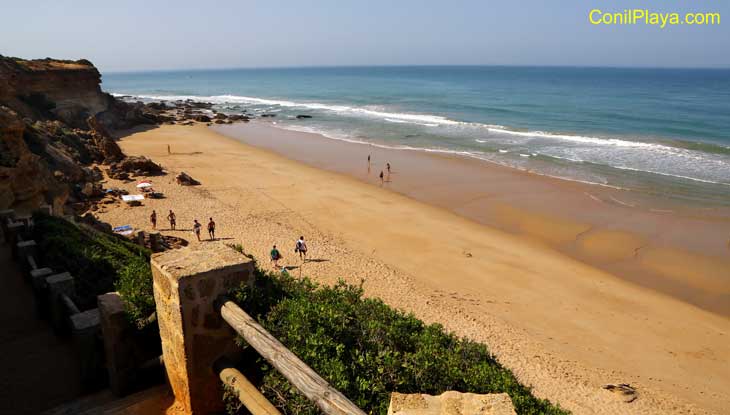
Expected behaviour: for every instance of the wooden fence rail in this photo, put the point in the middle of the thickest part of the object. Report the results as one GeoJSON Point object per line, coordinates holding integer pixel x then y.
{"type": "Point", "coordinates": [250, 397]}
{"type": "Point", "coordinates": [306, 380]}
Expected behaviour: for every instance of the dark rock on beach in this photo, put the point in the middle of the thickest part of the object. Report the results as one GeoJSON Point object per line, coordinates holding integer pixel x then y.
{"type": "Point", "coordinates": [184, 179]}
{"type": "Point", "coordinates": [201, 118]}
{"type": "Point", "coordinates": [138, 165]}
{"type": "Point", "coordinates": [236, 117]}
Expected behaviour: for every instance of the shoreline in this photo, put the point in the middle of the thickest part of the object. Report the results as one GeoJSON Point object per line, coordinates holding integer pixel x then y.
{"type": "Point", "coordinates": [641, 239]}
{"type": "Point", "coordinates": [563, 327]}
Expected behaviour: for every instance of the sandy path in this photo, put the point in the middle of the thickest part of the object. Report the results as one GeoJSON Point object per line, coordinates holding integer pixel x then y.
{"type": "Point", "coordinates": [563, 327]}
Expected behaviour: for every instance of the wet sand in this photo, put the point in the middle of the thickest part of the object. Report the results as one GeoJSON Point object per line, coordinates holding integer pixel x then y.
{"type": "Point", "coordinates": [678, 250]}
{"type": "Point", "coordinates": [563, 326]}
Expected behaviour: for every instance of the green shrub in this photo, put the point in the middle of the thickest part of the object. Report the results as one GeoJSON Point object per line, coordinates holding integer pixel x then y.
{"type": "Point", "coordinates": [99, 262]}
{"type": "Point", "coordinates": [365, 349]}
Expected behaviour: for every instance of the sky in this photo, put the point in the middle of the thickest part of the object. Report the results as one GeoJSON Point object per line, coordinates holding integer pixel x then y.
{"type": "Point", "coordinates": [149, 35]}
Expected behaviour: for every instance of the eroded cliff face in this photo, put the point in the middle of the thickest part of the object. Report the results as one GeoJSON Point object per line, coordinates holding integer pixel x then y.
{"type": "Point", "coordinates": [23, 180]}
{"type": "Point", "coordinates": [42, 89]}
{"type": "Point", "coordinates": [55, 122]}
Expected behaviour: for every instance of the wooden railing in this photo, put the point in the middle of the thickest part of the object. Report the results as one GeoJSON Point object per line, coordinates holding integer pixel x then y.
{"type": "Point", "coordinates": [329, 400]}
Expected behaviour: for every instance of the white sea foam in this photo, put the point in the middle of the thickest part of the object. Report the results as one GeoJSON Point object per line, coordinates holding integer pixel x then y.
{"type": "Point", "coordinates": [476, 155]}
{"type": "Point", "coordinates": [410, 122]}
{"type": "Point", "coordinates": [428, 120]}
{"type": "Point", "coordinates": [651, 157]}
{"type": "Point", "coordinates": [670, 175]}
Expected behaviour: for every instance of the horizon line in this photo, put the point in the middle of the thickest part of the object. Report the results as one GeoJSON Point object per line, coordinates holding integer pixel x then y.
{"type": "Point", "coordinates": [265, 67]}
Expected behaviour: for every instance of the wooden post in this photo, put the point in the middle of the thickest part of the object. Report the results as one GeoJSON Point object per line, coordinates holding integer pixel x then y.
{"type": "Point", "coordinates": [306, 380]}
{"type": "Point", "coordinates": [250, 397]}
{"type": "Point", "coordinates": [186, 283]}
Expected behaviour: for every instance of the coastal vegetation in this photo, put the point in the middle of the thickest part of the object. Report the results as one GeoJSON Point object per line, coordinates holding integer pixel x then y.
{"type": "Point", "coordinates": [366, 349]}
{"type": "Point", "coordinates": [99, 262]}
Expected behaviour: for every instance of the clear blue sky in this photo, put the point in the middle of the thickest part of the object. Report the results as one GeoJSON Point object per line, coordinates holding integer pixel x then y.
{"type": "Point", "coordinates": [137, 35]}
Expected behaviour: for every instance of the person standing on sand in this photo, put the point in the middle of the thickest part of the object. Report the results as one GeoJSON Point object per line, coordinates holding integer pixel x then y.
{"type": "Point", "coordinates": [196, 228]}
{"type": "Point", "coordinates": [301, 247]}
{"type": "Point", "coordinates": [171, 218]}
{"type": "Point", "coordinates": [381, 177]}
{"type": "Point", "coordinates": [388, 167]}
{"type": "Point", "coordinates": [168, 150]}
{"type": "Point", "coordinates": [211, 229]}
{"type": "Point", "coordinates": [275, 256]}
{"type": "Point", "coordinates": [153, 219]}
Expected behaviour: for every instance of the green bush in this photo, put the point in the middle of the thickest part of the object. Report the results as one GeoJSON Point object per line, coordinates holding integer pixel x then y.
{"type": "Point", "coordinates": [365, 349]}
{"type": "Point", "coordinates": [99, 262]}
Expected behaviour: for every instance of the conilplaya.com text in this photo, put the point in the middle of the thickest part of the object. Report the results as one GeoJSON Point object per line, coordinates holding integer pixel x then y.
{"type": "Point", "coordinates": [651, 18]}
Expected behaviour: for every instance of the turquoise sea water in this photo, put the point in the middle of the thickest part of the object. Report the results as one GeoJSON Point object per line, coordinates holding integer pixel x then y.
{"type": "Point", "coordinates": [659, 131]}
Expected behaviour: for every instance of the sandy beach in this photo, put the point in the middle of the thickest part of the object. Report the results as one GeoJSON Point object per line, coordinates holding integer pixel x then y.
{"type": "Point", "coordinates": [567, 314]}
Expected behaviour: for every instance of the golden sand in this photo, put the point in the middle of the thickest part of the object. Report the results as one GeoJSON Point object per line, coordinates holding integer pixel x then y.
{"type": "Point", "coordinates": [564, 327]}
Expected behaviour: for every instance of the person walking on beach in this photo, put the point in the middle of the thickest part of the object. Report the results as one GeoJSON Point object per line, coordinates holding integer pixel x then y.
{"type": "Point", "coordinates": [388, 166]}
{"type": "Point", "coordinates": [211, 229]}
{"type": "Point", "coordinates": [275, 256]}
{"type": "Point", "coordinates": [168, 149]}
{"type": "Point", "coordinates": [196, 228]}
{"type": "Point", "coordinates": [381, 177]}
{"type": "Point", "coordinates": [171, 218]}
{"type": "Point", "coordinates": [153, 219]}
{"type": "Point", "coordinates": [301, 247]}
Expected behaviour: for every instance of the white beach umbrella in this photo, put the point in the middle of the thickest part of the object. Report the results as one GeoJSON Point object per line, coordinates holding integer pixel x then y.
{"type": "Point", "coordinates": [144, 184]}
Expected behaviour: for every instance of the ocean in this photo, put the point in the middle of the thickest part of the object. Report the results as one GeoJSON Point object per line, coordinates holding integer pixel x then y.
{"type": "Point", "coordinates": [664, 132]}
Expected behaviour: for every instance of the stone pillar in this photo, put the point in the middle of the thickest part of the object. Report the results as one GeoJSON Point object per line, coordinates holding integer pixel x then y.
{"type": "Point", "coordinates": [140, 238]}
{"type": "Point", "coordinates": [24, 248]}
{"type": "Point", "coordinates": [38, 278]}
{"type": "Point", "coordinates": [85, 333]}
{"type": "Point", "coordinates": [6, 216]}
{"type": "Point", "coordinates": [116, 330]}
{"type": "Point", "coordinates": [450, 402]}
{"type": "Point", "coordinates": [13, 234]}
{"type": "Point", "coordinates": [59, 285]}
{"type": "Point", "coordinates": [45, 209]}
{"type": "Point", "coordinates": [155, 243]}
{"type": "Point", "coordinates": [186, 284]}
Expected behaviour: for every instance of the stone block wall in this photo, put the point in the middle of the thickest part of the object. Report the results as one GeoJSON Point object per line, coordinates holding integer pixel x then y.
{"type": "Point", "coordinates": [450, 403]}
{"type": "Point", "coordinates": [187, 283]}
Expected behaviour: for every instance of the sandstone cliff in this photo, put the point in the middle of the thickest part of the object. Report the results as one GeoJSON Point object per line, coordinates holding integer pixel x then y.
{"type": "Point", "coordinates": [64, 90]}
{"type": "Point", "coordinates": [55, 122]}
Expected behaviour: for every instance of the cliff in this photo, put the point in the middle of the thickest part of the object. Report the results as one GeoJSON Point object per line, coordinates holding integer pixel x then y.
{"type": "Point", "coordinates": [55, 124]}
{"type": "Point", "coordinates": [64, 90]}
